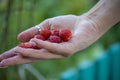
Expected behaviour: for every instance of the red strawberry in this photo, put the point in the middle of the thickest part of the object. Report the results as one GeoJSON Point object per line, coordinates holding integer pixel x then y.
{"type": "Point", "coordinates": [39, 36]}
{"type": "Point", "coordinates": [55, 39]}
{"type": "Point", "coordinates": [35, 47]}
{"type": "Point", "coordinates": [65, 34]}
{"type": "Point", "coordinates": [55, 32]}
{"type": "Point", "coordinates": [45, 33]}
{"type": "Point", "coordinates": [25, 45]}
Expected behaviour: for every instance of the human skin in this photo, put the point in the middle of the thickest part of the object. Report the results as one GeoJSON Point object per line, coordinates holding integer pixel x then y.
{"type": "Point", "coordinates": [86, 29]}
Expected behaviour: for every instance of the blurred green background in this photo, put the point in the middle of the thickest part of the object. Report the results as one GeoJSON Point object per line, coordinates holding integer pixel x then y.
{"type": "Point", "coordinates": [18, 15]}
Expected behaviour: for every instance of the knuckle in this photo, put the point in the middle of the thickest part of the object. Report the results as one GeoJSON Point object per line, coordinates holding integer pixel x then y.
{"type": "Point", "coordinates": [67, 54]}
{"type": "Point", "coordinates": [26, 54]}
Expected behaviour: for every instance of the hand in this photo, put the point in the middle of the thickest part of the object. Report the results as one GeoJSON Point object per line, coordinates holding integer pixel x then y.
{"type": "Point", "coordinates": [84, 31]}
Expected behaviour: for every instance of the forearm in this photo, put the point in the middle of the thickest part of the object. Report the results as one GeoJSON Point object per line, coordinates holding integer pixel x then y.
{"type": "Point", "coordinates": [105, 14]}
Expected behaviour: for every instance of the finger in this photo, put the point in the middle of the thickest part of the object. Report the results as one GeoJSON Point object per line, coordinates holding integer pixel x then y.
{"type": "Point", "coordinates": [15, 61]}
{"type": "Point", "coordinates": [39, 54]}
{"type": "Point", "coordinates": [52, 47]}
{"type": "Point", "coordinates": [30, 33]}
{"type": "Point", "coordinates": [27, 35]}
{"type": "Point", "coordinates": [7, 54]}
{"type": "Point", "coordinates": [64, 48]}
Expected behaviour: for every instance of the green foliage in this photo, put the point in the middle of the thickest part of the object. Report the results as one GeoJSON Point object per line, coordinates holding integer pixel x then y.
{"type": "Point", "coordinates": [27, 13]}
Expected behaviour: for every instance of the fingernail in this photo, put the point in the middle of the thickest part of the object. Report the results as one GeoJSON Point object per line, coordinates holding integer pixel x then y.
{"type": "Point", "coordinates": [2, 66]}
{"type": "Point", "coordinates": [0, 55]}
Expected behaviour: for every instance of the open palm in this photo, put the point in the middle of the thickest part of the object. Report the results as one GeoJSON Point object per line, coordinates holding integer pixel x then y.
{"type": "Point", "coordinates": [84, 33]}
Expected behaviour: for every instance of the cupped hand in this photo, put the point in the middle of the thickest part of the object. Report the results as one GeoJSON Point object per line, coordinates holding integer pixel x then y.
{"type": "Point", "coordinates": [84, 33]}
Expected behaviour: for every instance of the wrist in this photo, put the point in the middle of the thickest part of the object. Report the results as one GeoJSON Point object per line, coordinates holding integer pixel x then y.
{"type": "Point", "coordinates": [105, 14]}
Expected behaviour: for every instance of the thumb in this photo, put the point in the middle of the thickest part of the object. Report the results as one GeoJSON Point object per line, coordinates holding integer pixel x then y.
{"type": "Point", "coordinates": [30, 33]}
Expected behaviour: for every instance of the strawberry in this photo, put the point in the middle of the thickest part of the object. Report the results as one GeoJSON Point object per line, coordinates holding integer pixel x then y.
{"type": "Point", "coordinates": [55, 39]}
{"type": "Point", "coordinates": [54, 36]}
{"type": "Point", "coordinates": [55, 32]}
{"type": "Point", "coordinates": [65, 34]}
{"type": "Point", "coordinates": [39, 36]}
{"type": "Point", "coordinates": [45, 33]}
{"type": "Point", "coordinates": [25, 45]}
{"type": "Point", "coordinates": [35, 47]}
